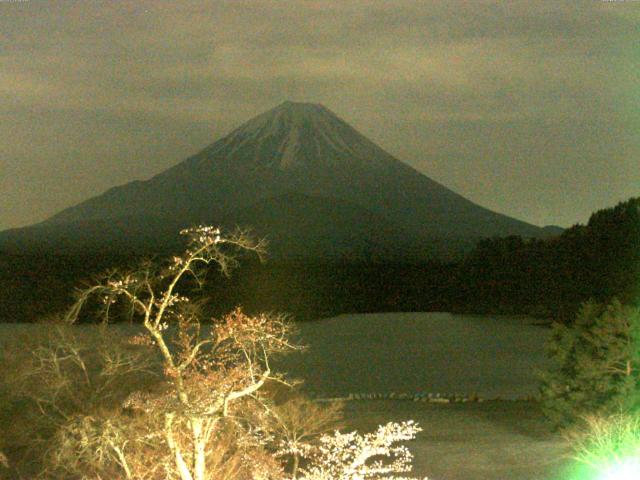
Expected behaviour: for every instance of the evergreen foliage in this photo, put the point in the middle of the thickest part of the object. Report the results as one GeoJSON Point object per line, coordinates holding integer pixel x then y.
{"type": "Point", "coordinates": [595, 364]}
{"type": "Point", "coordinates": [599, 260]}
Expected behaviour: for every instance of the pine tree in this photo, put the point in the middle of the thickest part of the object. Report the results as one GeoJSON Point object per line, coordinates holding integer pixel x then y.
{"type": "Point", "coordinates": [595, 364]}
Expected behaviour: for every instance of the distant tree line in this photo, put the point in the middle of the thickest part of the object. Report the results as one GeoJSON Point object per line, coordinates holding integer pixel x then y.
{"type": "Point", "coordinates": [543, 277]}
{"type": "Point", "coordinates": [553, 277]}
{"type": "Point", "coordinates": [37, 285]}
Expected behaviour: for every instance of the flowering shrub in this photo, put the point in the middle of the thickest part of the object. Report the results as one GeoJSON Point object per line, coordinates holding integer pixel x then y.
{"type": "Point", "coordinates": [351, 456]}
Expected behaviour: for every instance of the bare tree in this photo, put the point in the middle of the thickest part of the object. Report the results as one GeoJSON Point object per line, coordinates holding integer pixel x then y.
{"type": "Point", "coordinates": [210, 413]}
{"type": "Point", "coordinates": [68, 381]}
{"type": "Point", "coordinates": [213, 372]}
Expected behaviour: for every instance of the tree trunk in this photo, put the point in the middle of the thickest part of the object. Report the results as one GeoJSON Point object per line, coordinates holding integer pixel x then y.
{"type": "Point", "coordinates": [296, 464]}
{"type": "Point", "coordinates": [199, 445]}
{"type": "Point", "coordinates": [181, 465]}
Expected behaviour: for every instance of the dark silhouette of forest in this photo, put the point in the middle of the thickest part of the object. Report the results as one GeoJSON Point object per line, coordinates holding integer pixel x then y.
{"type": "Point", "coordinates": [552, 277]}
{"type": "Point", "coordinates": [548, 278]}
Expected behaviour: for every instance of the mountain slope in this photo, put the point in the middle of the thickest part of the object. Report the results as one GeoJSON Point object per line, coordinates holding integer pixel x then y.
{"type": "Point", "coordinates": [303, 149]}
{"type": "Point", "coordinates": [351, 229]}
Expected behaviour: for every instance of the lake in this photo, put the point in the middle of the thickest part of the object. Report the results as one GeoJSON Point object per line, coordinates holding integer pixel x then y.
{"type": "Point", "coordinates": [491, 356]}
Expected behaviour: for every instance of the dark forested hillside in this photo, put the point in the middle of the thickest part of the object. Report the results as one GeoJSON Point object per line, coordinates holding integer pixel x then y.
{"type": "Point", "coordinates": [599, 260]}
{"type": "Point", "coordinates": [546, 277]}
{"type": "Point", "coordinates": [35, 286]}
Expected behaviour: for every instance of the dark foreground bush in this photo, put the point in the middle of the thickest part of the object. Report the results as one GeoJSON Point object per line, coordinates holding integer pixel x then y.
{"type": "Point", "coordinates": [595, 364]}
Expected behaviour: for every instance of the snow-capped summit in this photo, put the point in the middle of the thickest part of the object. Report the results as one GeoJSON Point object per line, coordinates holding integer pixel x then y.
{"type": "Point", "coordinates": [295, 134]}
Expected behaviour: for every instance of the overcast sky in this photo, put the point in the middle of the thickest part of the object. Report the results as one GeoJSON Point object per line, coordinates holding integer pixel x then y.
{"type": "Point", "coordinates": [528, 107]}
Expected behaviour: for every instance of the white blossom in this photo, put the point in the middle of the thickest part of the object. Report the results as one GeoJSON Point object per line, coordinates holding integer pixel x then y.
{"type": "Point", "coordinates": [351, 456]}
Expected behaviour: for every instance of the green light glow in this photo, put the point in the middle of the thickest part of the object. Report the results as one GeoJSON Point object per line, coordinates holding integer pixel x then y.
{"type": "Point", "coordinates": [608, 448]}
{"type": "Point", "coordinates": [628, 469]}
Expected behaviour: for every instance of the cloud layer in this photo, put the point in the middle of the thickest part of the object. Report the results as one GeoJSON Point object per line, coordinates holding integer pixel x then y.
{"type": "Point", "coordinates": [528, 108]}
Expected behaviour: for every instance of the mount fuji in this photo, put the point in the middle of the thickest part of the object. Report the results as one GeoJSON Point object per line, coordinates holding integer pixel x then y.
{"type": "Point", "coordinates": [297, 174]}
